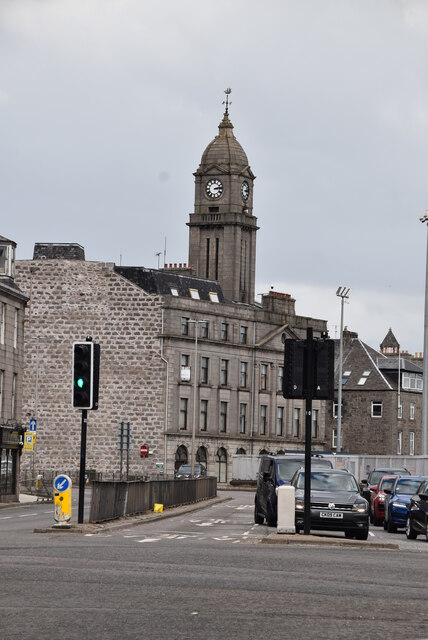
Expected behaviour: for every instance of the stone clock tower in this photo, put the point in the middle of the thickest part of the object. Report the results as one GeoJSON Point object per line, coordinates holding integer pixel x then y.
{"type": "Point", "coordinates": [222, 229]}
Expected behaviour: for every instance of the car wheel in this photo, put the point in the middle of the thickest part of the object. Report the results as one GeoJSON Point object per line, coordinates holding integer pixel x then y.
{"type": "Point", "coordinates": [258, 519]}
{"type": "Point", "coordinates": [371, 517]}
{"type": "Point", "coordinates": [385, 524]}
{"type": "Point", "coordinates": [410, 534]}
{"type": "Point", "coordinates": [375, 520]}
{"type": "Point", "coordinates": [390, 527]}
{"type": "Point", "coordinates": [362, 535]}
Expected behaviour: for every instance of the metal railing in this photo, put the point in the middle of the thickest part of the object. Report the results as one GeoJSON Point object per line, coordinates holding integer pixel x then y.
{"type": "Point", "coordinates": [115, 499]}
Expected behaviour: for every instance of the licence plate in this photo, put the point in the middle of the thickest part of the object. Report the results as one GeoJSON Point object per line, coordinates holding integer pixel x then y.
{"type": "Point", "coordinates": [331, 514]}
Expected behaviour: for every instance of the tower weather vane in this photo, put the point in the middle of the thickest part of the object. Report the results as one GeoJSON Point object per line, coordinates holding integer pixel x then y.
{"type": "Point", "coordinates": [226, 102]}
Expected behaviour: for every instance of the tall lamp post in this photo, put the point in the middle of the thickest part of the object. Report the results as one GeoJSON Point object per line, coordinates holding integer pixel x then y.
{"type": "Point", "coordinates": [424, 219]}
{"type": "Point", "coordinates": [342, 293]}
{"type": "Point", "coordinates": [195, 394]}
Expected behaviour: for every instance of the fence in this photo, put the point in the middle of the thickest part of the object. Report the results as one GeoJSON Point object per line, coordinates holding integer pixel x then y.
{"type": "Point", "coordinates": [112, 499]}
{"type": "Point", "coordinates": [245, 467]}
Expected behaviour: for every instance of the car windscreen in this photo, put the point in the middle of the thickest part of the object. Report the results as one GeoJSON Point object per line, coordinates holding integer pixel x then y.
{"type": "Point", "coordinates": [407, 485]}
{"type": "Point", "coordinates": [287, 468]}
{"type": "Point", "coordinates": [376, 476]}
{"type": "Point", "coordinates": [387, 484]}
{"type": "Point", "coordinates": [186, 468]}
{"type": "Point", "coordinates": [321, 481]}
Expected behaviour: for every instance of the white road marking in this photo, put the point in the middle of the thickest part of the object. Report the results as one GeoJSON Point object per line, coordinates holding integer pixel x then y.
{"type": "Point", "coordinates": [372, 534]}
{"type": "Point", "coordinates": [27, 515]}
{"type": "Point", "coordinates": [150, 540]}
{"type": "Point", "coordinates": [5, 518]}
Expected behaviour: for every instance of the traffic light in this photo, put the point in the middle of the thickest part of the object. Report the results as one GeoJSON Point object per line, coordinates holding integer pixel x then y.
{"type": "Point", "coordinates": [324, 369]}
{"type": "Point", "coordinates": [293, 381]}
{"type": "Point", "coordinates": [86, 360]}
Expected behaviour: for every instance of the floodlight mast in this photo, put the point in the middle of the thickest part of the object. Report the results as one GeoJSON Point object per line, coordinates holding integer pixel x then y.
{"type": "Point", "coordinates": [342, 293]}
{"type": "Point", "coordinates": [424, 447]}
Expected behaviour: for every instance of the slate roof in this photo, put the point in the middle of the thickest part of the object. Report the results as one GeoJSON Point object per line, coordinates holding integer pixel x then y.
{"type": "Point", "coordinates": [358, 359]}
{"type": "Point", "coordinates": [161, 282]}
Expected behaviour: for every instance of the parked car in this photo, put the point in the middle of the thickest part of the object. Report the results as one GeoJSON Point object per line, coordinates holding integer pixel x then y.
{"type": "Point", "coordinates": [375, 475]}
{"type": "Point", "coordinates": [397, 501]}
{"type": "Point", "coordinates": [336, 503]}
{"type": "Point", "coordinates": [275, 470]}
{"type": "Point", "coordinates": [377, 499]}
{"type": "Point", "coordinates": [185, 471]}
{"type": "Point", "coordinates": [417, 514]}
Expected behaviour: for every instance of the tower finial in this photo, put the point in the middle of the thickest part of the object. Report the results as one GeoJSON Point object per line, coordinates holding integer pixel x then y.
{"type": "Point", "coordinates": [226, 102]}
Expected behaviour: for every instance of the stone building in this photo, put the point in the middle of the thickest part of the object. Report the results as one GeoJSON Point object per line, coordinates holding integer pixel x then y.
{"type": "Point", "coordinates": [12, 304]}
{"type": "Point", "coordinates": [151, 324]}
{"type": "Point", "coordinates": [381, 399]}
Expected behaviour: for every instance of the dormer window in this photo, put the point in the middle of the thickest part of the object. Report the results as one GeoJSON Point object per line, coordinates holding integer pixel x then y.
{"type": "Point", "coordinates": [7, 260]}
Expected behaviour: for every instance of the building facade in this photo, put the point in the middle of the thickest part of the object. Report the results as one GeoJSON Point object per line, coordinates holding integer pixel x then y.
{"type": "Point", "coordinates": [187, 356]}
{"type": "Point", "coordinates": [12, 304]}
{"type": "Point", "coordinates": [381, 400]}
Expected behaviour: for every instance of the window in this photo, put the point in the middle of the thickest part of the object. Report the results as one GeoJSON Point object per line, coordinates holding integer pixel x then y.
{"type": "Point", "coordinates": [174, 291]}
{"type": "Point", "coordinates": [1, 392]}
{"type": "Point", "coordinates": [314, 423]}
{"type": "Point", "coordinates": [412, 443]}
{"type": "Point", "coordinates": [194, 294]}
{"type": "Point", "coordinates": [263, 376]}
{"type": "Point", "coordinates": [204, 329]}
{"type": "Point", "coordinates": [224, 330]}
{"type": "Point", "coordinates": [15, 329]}
{"type": "Point", "coordinates": [223, 417]}
{"type": "Point", "coordinates": [224, 366]}
{"type": "Point", "coordinates": [184, 326]}
{"type": "Point", "coordinates": [243, 374]}
{"type": "Point", "coordinates": [13, 399]}
{"type": "Point", "coordinates": [279, 421]}
{"type": "Point", "coordinates": [400, 411]}
{"type": "Point", "coordinates": [376, 409]}
{"type": "Point", "coordinates": [3, 259]}
{"type": "Point", "coordinates": [336, 409]}
{"type": "Point", "coordinates": [334, 438]}
{"type": "Point", "coordinates": [399, 443]}
{"type": "Point", "coordinates": [263, 419]}
{"type": "Point", "coordinates": [280, 378]}
{"type": "Point", "coordinates": [412, 411]}
{"type": "Point", "coordinates": [204, 370]}
{"type": "Point", "coordinates": [413, 381]}
{"type": "Point", "coordinates": [2, 321]}
{"type": "Point", "coordinates": [182, 420]}
{"type": "Point", "coordinates": [203, 421]}
{"type": "Point", "coordinates": [242, 417]}
{"type": "Point", "coordinates": [213, 296]}
{"type": "Point", "coordinates": [185, 367]}
{"type": "Point", "coordinates": [243, 335]}
{"type": "Point", "coordinates": [296, 422]}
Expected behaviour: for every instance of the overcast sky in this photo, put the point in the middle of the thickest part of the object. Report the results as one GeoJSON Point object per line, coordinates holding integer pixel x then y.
{"type": "Point", "coordinates": [106, 107]}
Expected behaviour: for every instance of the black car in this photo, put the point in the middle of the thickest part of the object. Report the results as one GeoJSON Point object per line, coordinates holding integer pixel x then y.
{"type": "Point", "coordinates": [185, 471]}
{"type": "Point", "coordinates": [275, 470]}
{"type": "Point", "coordinates": [417, 515]}
{"type": "Point", "coordinates": [336, 503]}
{"type": "Point", "coordinates": [375, 476]}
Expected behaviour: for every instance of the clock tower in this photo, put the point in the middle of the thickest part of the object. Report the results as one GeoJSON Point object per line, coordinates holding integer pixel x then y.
{"type": "Point", "coordinates": [222, 229]}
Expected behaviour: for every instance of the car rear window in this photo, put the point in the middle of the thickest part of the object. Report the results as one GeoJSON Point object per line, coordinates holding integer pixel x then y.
{"type": "Point", "coordinates": [321, 481]}
{"type": "Point", "coordinates": [287, 468]}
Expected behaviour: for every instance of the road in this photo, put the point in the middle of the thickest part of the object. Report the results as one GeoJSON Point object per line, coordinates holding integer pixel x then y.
{"type": "Point", "coordinates": [205, 575]}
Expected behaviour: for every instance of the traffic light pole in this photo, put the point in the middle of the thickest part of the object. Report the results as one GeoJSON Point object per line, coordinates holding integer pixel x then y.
{"type": "Point", "coordinates": [82, 466]}
{"type": "Point", "coordinates": [308, 428]}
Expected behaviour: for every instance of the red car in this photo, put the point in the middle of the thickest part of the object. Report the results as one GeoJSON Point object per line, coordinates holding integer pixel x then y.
{"type": "Point", "coordinates": [377, 499]}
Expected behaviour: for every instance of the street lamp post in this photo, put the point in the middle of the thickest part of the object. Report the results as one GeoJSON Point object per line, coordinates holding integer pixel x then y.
{"type": "Point", "coordinates": [424, 219]}
{"type": "Point", "coordinates": [195, 394]}
{"type": "Point", "coordinates": [342, 293]}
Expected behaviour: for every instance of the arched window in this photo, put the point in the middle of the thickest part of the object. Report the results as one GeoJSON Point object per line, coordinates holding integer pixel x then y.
{"type": "Point", "coordinates": [280, 452]}
{"type": "Point", "coordinates": [221, 464]}
{"type": "Point", "coordinates": [201, 456]}
{"type": "Point", "coordinates": [263, 452]}
{"type": "Point", "coordinates": [180, 456]}
{"type": "Point", "coordinates": [240, 452]}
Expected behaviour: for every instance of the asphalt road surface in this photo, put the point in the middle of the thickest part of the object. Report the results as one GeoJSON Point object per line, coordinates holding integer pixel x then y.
{"type": "Point", "coordinates": [205, 575]}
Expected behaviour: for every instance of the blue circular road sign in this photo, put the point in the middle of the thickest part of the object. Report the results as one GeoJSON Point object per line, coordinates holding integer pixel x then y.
{"type": "Point", "coordinates": [61, 483]}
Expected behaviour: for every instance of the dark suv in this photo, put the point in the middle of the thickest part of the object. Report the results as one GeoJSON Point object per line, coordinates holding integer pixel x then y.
{"type": "Point", "coordinates": [275, 470]}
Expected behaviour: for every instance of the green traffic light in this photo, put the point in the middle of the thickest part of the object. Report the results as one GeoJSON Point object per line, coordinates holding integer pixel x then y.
{"type": "Point", "coordinates": [80, 383]}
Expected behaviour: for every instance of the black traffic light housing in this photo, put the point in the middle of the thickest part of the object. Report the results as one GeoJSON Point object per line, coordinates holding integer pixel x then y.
{"type": "Point", "coordinates": [295, 369]}
{"type": "Point", "coordinates": [86, 365]}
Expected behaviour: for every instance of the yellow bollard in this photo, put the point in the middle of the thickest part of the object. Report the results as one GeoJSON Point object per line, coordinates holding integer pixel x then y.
{"type": "Point", "coordinates": [158, 508]}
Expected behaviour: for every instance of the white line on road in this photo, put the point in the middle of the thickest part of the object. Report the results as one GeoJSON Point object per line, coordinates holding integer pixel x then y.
{"type": "Point", "coordinates": [5, 518]}
{"type": "Point", "coordinates": [372, 534]}
{"type": "Point", "coordinates": [27, 515]}
{"type": "Point", "coordinates": [150, 540]}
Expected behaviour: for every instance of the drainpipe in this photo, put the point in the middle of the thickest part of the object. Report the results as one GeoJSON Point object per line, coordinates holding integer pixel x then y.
{"type": "Point", "coordinates": [166, 398]}
{"type": "Point", "coordinates": [253, 373]}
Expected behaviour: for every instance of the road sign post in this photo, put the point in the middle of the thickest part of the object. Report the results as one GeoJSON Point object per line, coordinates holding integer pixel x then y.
{"type": "Point", "coordinates": [62, 499]}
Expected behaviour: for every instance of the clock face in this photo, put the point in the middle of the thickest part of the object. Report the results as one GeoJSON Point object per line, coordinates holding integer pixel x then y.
{"type": "Point", "coordinates": [245, 190]}
{"type": "Point", "coordinates": [214, 189]}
